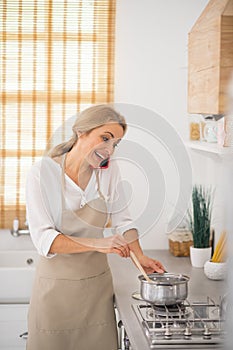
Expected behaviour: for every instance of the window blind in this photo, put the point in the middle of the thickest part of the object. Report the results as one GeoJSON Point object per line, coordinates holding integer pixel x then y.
{"type": "Point", "coordinates": [57, 58]}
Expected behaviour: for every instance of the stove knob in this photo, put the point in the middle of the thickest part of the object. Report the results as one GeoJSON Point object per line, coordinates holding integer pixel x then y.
{"type": "Point", "coordinates": [187, 332]}
{"type": "Point", "coordinates": [168, 333]}
{"type": "Point", "coordinates": [207, 334]}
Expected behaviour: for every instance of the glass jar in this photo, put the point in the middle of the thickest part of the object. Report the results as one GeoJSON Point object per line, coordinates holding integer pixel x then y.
{"type": "Point", "coordinates": [210, 131]}
{"type": "Point", "coordinates": [194, 128]}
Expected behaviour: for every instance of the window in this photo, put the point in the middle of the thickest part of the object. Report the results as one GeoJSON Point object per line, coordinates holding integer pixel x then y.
{"type": "Point", "coordinates": [56, 59]}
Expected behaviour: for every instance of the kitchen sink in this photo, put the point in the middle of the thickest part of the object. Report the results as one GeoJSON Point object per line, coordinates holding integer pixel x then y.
{"type": "Point", "coordinates": [17, 271]}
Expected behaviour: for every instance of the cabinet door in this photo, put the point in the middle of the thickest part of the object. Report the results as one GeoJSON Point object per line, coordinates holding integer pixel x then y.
{"type": "Point", "coordinates": [13, 323]}
{"type": "Point", "coordinates": [210, 59]}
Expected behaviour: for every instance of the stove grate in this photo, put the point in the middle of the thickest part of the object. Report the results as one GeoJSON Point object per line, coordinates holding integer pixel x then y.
{"type": "Point", "coordinates": [196, 323]}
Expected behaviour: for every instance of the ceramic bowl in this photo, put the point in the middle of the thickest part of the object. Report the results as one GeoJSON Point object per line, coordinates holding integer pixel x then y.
{"type": "Point", "coordinates": [215, 271]}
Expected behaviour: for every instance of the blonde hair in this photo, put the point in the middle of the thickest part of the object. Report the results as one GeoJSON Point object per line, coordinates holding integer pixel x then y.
{"type": "Point", "coordinates": [89, 119]}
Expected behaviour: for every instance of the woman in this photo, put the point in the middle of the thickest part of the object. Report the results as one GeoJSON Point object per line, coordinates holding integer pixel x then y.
{"type": "Point", "coordinates": [70, 197]}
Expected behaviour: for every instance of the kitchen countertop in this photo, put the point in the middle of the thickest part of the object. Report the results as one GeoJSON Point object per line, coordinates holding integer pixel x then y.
{"type": "Point", "coordinates": [125, 279]}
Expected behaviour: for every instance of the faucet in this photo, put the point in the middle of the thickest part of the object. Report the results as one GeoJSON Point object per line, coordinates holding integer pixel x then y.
{"type": "Point", "coordinates": [16, 232]}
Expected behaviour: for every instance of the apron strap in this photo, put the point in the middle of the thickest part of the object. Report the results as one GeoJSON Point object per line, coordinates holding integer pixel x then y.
{"type": "Point", "coordinates": [63, 181]}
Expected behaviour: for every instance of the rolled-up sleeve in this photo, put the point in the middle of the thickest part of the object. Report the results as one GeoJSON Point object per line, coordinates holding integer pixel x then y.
{"type": "Point", "coordinates": [41, 225]}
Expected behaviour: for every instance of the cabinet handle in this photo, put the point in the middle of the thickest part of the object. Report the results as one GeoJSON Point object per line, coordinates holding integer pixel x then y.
{"type": "Point", "coordinates": [24, 335]}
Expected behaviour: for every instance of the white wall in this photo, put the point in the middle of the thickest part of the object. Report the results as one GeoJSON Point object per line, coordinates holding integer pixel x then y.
{"type": "Point", "coordinates": [151, 69]}
{"type": "Point", "coordinates": [151, 55]}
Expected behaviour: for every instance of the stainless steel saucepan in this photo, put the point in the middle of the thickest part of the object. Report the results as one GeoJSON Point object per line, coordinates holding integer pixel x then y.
{"type": "Point", "coordinates": [164, 289]}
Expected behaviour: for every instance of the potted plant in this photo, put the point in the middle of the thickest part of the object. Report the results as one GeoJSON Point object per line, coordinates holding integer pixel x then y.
{"type": "Point", "coordinates": [200, 225]}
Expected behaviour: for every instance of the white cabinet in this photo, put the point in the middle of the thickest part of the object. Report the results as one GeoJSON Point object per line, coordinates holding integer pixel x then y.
{"type": "Point", "coordinates": [13, 323]}
{"type": "Point", "coordinates": [210, 61]}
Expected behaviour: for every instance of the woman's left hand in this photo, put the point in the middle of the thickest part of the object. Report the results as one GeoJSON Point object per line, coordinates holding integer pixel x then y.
{"type": "Point", "coordinates": [151, 265]}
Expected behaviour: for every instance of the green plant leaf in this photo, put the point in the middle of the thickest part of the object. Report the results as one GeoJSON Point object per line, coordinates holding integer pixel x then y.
{"type": "Point", "coordinates": [199, 215]}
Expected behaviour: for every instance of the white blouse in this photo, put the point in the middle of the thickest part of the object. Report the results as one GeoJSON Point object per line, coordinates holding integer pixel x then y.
{"type": "Point", "coordinates": [44, 200]}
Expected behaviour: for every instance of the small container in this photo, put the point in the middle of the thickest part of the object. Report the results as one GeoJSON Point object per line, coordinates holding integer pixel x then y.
{"type": "Point", "coordinates": [215, 270]}
{"type": "Point", "coordinates": [194, 128]}
{"type": "Point", "coordinates": [16, 225]}
{"type": "Point", "coordinates": [180, 241]}
{"type": "Point", "coordinates": [210, 130]}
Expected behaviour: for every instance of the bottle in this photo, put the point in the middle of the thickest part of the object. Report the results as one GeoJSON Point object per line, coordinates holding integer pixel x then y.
{"type": "Point", "coordinates": [194, 128]}
{"type": "Point", "coordinates": [15, 226]}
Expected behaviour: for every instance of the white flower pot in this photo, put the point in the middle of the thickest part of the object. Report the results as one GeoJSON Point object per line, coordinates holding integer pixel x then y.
{"type": "Point", "coordinates": [199, 256]}
{"type": "Point", "coordinates": [215, 271]}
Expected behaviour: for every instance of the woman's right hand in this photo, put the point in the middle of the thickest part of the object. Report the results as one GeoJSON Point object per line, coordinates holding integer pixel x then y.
{"type": "Point", "coordinates": [65, 244]}
{"type": "Point", "coordinates": [114, 244]}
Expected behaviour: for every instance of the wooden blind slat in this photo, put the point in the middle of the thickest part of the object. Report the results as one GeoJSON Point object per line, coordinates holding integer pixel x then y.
{"type": "Point", "coordinates": [3, 121]}
{"type": "Point", "coordinates": [49, 66]}
{"type": "Point", "coordinates": [34, 95]}
{"type": "Point", "coordinates": [79, 55]}
{"type": "Point", "coordinates": [64, 65]}
{"type": "Point", "coordinates": [56, 59]}
{"type": "Point", "coordinates": [19, 98]}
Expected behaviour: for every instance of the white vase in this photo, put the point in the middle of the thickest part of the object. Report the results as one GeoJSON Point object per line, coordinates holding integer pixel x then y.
{"type": "Point", "coordinates": [199, 256]}
{"type": "Point", "coordinates": [215, 270]}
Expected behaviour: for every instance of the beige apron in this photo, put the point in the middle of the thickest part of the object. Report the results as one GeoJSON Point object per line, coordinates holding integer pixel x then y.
{"type": "Point", "coordinates": [71, 306]}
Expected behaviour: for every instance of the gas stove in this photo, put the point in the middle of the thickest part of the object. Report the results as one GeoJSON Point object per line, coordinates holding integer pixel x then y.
{"type": "Point", "coordinates": [189, 325]}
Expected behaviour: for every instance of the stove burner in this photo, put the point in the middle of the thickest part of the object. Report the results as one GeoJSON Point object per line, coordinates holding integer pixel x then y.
{"type": "Point", "coordinates": [169, 311]}
{"type": "Point", "coordinates": [169, 308]}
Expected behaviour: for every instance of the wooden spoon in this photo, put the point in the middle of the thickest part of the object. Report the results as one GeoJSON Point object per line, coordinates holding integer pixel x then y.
{"type": "Point", "coordinates": [137, 263]}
